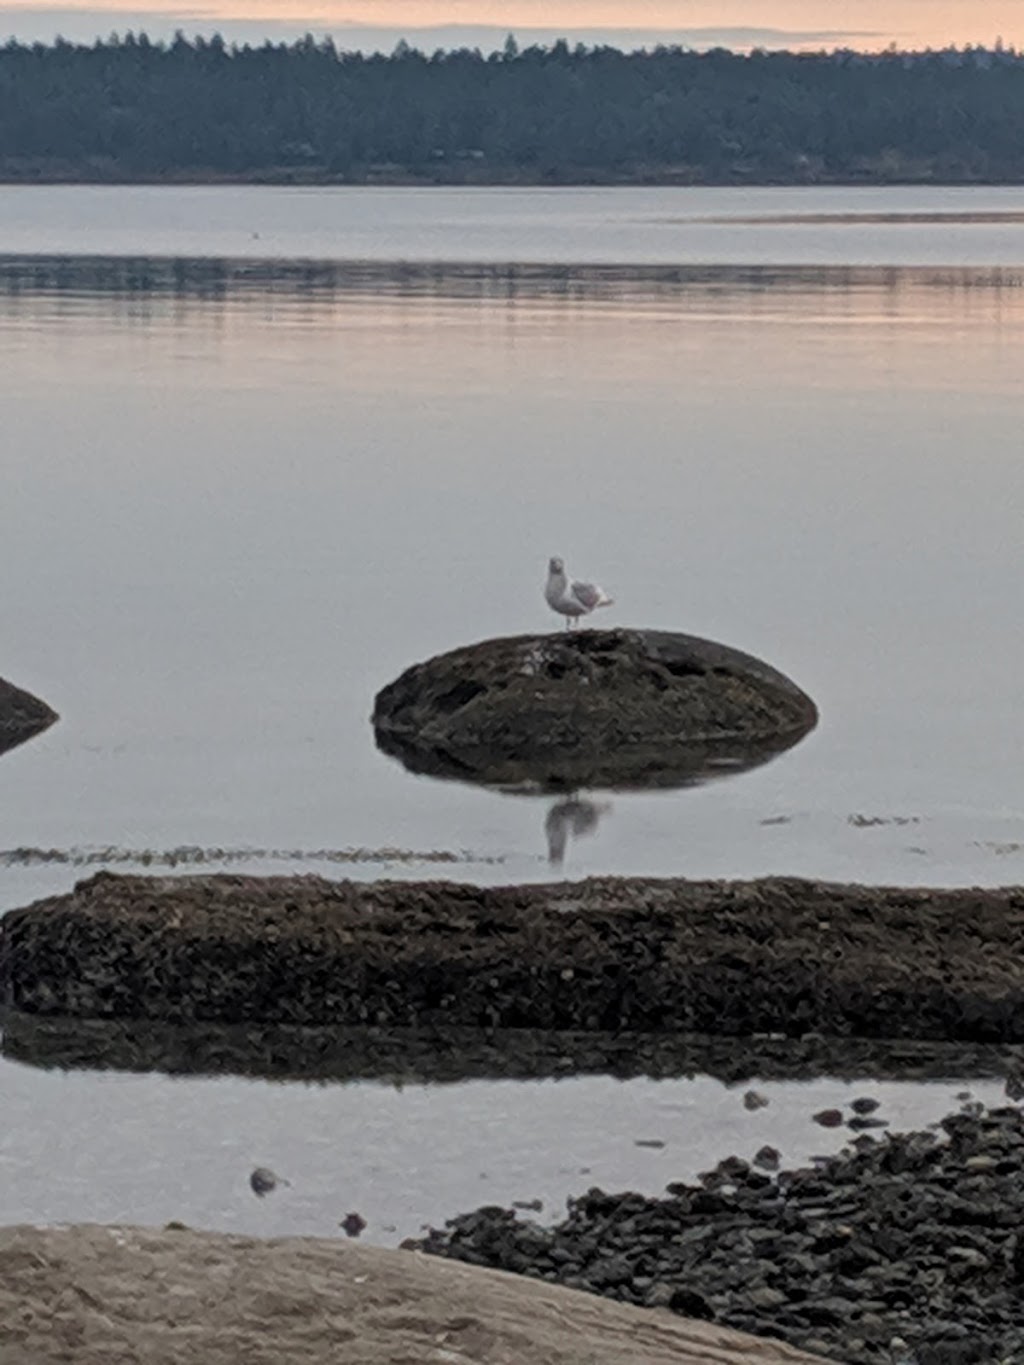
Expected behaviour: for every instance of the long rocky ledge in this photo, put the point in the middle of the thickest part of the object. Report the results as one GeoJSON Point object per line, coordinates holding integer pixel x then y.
{"type": "Point", "coordinates": [776, 956]}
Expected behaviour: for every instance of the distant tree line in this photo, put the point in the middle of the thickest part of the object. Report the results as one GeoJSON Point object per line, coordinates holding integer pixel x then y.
{"type": "Point", "coordinates": [132, 109]}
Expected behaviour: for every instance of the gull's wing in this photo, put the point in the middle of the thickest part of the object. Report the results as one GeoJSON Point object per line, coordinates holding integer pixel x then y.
{"type": "Point", "coordinates": [589, 595]}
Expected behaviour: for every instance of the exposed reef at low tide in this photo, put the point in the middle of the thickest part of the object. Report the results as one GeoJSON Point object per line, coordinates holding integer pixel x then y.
{"type": "Point", "coordinates": [773, 956]}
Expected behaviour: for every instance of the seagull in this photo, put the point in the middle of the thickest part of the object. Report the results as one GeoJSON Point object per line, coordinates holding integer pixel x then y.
{"type": "Point", "coordinates": [569, 597]}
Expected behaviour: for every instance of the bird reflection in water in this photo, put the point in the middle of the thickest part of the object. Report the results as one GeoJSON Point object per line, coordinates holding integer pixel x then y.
{"type": "Point", "coordinates": [571, 818]}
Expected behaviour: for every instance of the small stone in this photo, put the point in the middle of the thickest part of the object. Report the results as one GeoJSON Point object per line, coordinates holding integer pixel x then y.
{"type": "Point", "coordinates": [353, 1224]}
{"type": "Point", "coordinates": [860, 1122]}
{"type": "Point", "coordinates": [829, 1118]}
{"type": "Point", "coordinates": [753, 1099]}
{"type": "Point", "coordinates": [864, 1105]}
{"type": "Point", "coordinates": [659, 1295]}
{"type": "Point", "coordinates": [981, 1163]}
{"type": "Point", "coordinates": [691, 1303]}
{"type": "Point", "coordinates": [263, 1180]}
{"type": "Point", "coordinates": [528, 1205]}
{"type": "Point", "coordinates": [768, 1158]}
{"type": "Point", "coordinates": [764, 1296]}
{"type": "Point", "coordinates": [655, 1143]}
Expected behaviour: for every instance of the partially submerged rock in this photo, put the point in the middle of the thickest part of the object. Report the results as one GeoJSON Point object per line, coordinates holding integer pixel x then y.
{"type": "Point", "coordinates": [590, 708]}
{"type": "Point", "coordinates": [21, 716]}
{"type": "Point", "coordinates": [98, 1295]}
{"type": "Point", "coordinates": [779, 955]}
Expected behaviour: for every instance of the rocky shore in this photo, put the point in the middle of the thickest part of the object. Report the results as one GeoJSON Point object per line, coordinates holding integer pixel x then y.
{"type": "Point", "coordinates": [775, 956]}
{"type": "Point", "coordinates": [905, 1249]}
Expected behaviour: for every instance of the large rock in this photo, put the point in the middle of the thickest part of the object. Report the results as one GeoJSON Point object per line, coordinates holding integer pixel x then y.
{"type": "Point", "coordinates": [21, 715]}
{"type": "Point", "coordinates": [590, 708]}
{"type": "Point", "coordinates": [113, 1295]}
{"type": "Point", "coordinates": [780, 955]}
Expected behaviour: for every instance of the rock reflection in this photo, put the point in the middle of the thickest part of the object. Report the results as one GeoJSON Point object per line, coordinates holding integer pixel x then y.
{"type": "Point", "coordinates": [283, 1052]}
{"type": "Point", "coordinates": [571, 819]}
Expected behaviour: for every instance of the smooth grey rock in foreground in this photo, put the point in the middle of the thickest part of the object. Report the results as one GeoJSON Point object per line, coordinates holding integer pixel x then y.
{"type": "Point", "coordinates": [110, 1295]}
{"type": "Point", "coordinates": [590, 708]}
{"type": "Point", "coordinates": [21, 716]}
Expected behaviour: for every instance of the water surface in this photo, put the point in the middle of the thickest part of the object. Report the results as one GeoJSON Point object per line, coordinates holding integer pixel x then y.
{"type": "Point", "coordinates": [241, 495]}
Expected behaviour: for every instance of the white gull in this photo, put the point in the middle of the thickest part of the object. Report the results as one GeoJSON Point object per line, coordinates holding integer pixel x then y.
{"type": "Point", "coordinates": [569, 597]}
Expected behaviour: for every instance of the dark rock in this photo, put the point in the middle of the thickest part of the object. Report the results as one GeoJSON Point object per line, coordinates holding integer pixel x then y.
{"type": "Point", "coordinates": [768, 1158]}
{"type": "Point", "coordinates": [21, 716]}
{"type": "Point", "coordinates": [263, 1180]}
{"type": "Point", "coordinates": [864, 1105]}
{"type": "Point", "coordinates": [352, 1224]}
{"type": "Point", "coordinates": [754, 1100]}
{"type": "Point", "coordinates": [829, 1118]}
{"type": "Point", "coordinates": [690, 1304]}
{"type": "Point", "coordinates": [859, 1123]}
{"type": "Point", "coordinates": [589, 708]}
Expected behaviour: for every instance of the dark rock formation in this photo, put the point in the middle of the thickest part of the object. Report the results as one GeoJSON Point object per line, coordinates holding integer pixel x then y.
{"type": "Point", "coordinates": [590, 708]}
{"type": "Point", "coordinates": [21, 716]}
{"type": "Point", "coordinates": [778, 955]}
{"type": "Point", "coordinates": [909, 1248]}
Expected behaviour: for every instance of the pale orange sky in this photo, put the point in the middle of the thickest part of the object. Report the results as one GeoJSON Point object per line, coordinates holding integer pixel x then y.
{"type": "Point", "coordinates": [737, 23]}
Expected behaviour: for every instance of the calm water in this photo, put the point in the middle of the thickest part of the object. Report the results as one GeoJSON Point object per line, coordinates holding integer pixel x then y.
{"type": "Point", "coordinates": [237, 504]}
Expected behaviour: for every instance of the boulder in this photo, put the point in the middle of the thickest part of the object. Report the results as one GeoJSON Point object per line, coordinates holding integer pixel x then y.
{"type": "Point", "coordinates": [590, 708]}
{"type": "Point", "coordinates": [110, 1295]}
{"type": "Point", "coordinates": [21, 716]}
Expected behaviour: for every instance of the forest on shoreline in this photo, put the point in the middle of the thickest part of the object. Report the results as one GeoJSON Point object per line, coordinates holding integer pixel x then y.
{"type": "Point", "coordinates": [199, 110]}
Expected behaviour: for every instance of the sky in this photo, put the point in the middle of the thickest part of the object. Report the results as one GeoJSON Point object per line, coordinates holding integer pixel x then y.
{"type": "Point", "coordinates": [378, 24]}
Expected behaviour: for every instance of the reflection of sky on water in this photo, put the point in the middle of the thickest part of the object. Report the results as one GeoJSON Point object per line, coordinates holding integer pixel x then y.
{"type": "Point", "coordinates": [233, 518]}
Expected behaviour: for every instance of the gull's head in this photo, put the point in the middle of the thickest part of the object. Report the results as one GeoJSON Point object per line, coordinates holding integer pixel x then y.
{"type": "Point", "coordinates": [556, 565]}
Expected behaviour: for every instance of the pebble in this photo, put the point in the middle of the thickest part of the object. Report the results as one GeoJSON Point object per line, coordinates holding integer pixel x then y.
{"type": "Point", "coordinates": [753, 1099]}
{"type": "Point", "coordinates": [352, 1224]}
{"type": "Point", "coordinates": [768, 1158]}
{"type": "Point", "coordinates": [263, 1180]}
{"type": "Point", "coordinates": [829, 1118]}
{"type": "Point", "coordinates": [864, 1105]}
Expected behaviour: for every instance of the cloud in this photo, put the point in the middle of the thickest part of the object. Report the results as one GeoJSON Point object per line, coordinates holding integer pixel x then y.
{"type": "Point", "coordinates": [43, 24]}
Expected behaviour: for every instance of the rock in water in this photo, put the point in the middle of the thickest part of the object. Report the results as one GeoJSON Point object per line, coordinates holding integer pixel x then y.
{"type": "Point", "coordinates": [593, 708]}
{"type": "Point", "coordinates": [21, 716]}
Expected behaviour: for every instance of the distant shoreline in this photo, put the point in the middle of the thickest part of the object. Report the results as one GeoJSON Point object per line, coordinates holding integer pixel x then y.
{"type": "Point", "coordinates": [569, 180]}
